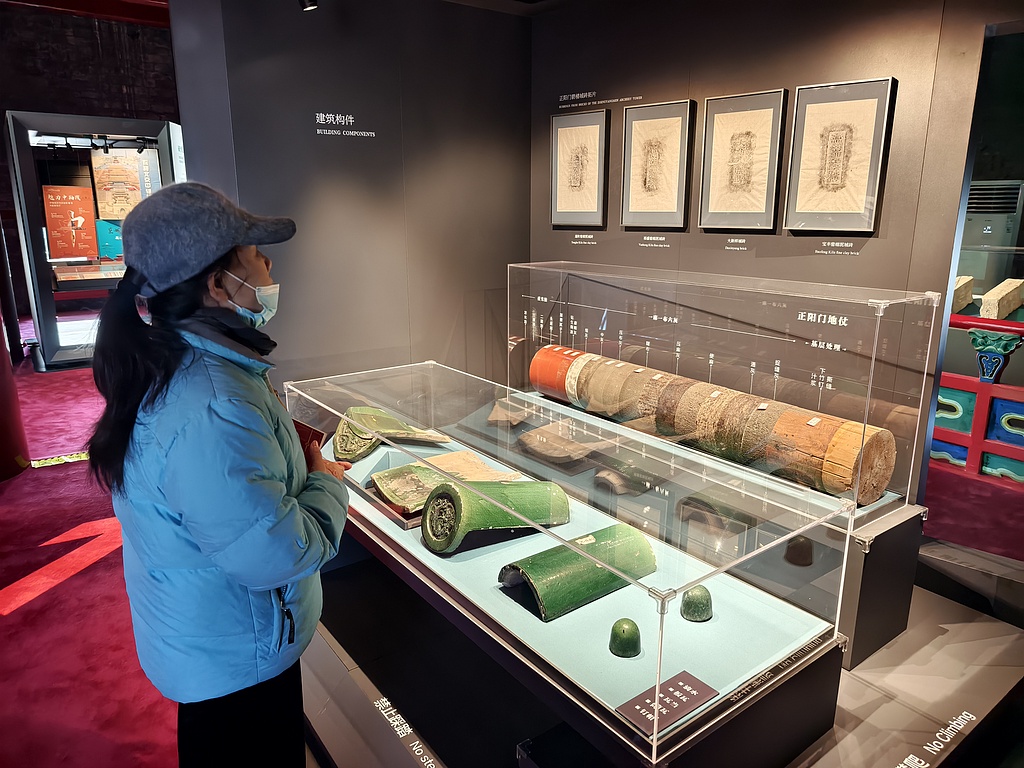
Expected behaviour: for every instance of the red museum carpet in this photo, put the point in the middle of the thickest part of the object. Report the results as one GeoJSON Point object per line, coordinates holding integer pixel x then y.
{"type": "Point", "coordinates": [73, 692]}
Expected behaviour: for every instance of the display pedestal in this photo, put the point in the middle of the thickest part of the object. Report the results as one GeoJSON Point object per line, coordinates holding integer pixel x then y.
{"type": "Point", "coordinates": [879, 584]}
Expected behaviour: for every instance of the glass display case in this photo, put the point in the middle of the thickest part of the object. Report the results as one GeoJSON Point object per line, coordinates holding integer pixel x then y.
{"type": "Point", "coordinates": [659, 590]}
{"type": "Point", "coordinates": [75, 179]}
{"type": "Point", "coordinates": [818, 384]}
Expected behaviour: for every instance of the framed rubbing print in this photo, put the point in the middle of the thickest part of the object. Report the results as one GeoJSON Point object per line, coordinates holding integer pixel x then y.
{"type": "Point", "coordinates": [656, 168]}
{"type": "Point", "coordinates": [579, 145]}
{"type": "Point", "coordinates": [840, 138]}
{"type": "Point", "coordinates": [739, 182]}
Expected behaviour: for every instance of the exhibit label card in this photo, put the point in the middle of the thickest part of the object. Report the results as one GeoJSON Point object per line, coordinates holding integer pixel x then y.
{"type": "Point", "coordinates": [70, 222]}
{"type": "Point", "coordinates": [679, 696]}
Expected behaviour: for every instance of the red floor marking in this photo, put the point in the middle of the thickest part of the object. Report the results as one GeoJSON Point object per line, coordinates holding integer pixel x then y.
{"type": "Point", "coordinates": [107, 535]}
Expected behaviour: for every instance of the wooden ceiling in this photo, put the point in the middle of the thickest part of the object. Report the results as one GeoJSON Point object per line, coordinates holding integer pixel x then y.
{"type": "Point", "coordinates": [149, 12]}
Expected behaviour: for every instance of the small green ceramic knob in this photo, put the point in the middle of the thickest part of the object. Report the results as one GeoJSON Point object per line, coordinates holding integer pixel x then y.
{"type": "Point", "coordinates": [625, 640]}
{"type": "Point", "coordinates": [799, 551]}
{"type": "Point", "coordinates": [697, 604]}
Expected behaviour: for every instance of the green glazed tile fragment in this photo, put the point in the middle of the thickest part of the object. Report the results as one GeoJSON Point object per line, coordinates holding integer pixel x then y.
{"type": "Point", "coordinates": [625, 639]}
{"type": "Point", "coordinates": [351, 443]}
{"type": "Point", "coordinates": [562, 580]}
{"type": "Point", "coordinates": [451, 511]}
{"type": "Point", "coordinates": [697, 604]}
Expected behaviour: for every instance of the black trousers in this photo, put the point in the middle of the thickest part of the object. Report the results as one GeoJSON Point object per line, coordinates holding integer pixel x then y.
{"type": "Point", "coordinates": [257, 726]}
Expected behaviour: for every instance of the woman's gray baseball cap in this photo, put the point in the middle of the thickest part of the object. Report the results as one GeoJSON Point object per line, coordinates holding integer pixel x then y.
{"type": "Point", "coordinates": [181, 229]}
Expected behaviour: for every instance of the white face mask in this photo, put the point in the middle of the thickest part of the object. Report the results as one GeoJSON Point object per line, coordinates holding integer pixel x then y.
{"type": "Point", "coordinates": [266, 295]}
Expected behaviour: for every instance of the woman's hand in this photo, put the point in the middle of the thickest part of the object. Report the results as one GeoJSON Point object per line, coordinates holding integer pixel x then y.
{"type": "Point", "coordinates": [315, 462]}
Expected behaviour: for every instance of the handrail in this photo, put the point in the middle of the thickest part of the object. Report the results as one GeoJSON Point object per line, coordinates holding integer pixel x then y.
{"type": "Point", "coordinates": [967, 322]}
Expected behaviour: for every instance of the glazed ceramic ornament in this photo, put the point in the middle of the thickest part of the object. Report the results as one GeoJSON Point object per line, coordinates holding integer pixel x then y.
{"type": "Point", "coordinates": [799, 551]}
{"type": "Point", "coordinates": [697, 604]}
{"type": "Point", "coordinates": [625, 639]}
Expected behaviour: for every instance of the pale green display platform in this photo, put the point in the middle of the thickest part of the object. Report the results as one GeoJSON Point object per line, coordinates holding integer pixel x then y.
{"type": "Point", "coordinates": [750, 631]}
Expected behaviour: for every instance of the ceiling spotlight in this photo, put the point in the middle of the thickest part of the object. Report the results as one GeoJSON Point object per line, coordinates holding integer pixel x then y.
{"type": "Point", "coordinates": [308, 5]}
{"type": "Point", "coordinates": [142, 145]}
{"type": "Point", "coordinates": [106, 146]}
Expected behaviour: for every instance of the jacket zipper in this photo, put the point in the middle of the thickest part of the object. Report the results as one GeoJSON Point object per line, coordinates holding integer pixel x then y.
{"type": "Point", "coordinates": [288, 615]}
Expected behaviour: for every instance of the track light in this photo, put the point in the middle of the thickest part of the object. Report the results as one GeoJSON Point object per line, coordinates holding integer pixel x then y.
{"type": "Point", "coordinates": [142, 145]}
{"type": "Point", "coordinates": [308, 5]}
{"type": "Point", "coordinates": [106, 146]}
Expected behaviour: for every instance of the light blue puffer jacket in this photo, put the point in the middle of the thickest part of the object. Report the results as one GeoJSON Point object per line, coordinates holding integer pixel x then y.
{"type": "Point", "coordinates": [224, 530]}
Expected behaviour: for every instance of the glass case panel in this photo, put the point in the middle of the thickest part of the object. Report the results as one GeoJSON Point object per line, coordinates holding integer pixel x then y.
{"type": "Point", "coordinates": [621, 567]}
{"type": "Point", "coordinates": [819, 384]}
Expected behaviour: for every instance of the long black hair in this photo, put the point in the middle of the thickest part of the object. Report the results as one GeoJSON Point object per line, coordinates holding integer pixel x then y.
{"type": "Point", "coordinates": [133, 363]}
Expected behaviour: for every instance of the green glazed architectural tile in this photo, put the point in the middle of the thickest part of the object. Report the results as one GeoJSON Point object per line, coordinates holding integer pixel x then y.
{"type": "Point", "coordinates": [625, 639]}
{"type": "Point", "coordinates": [351, 443]}
{"type": "Point", "coordinates": [562, 580]}
{"type": "Point", "coordinates": [406, 488]}
{"type": "Point", "coordinates": [452, 511]}
{"type": "Point", "coordinates": [363, 427]}
{"type": "Point", "coordinates": [387, 426]}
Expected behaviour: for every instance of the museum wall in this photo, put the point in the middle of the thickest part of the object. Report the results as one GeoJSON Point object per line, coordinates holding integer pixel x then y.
{"type": "Point", "coordinates": [652, 51]}
{"type": "Point", "coordinates": [57, 62]}
{"type": "Point", "coordinates": [397, 135]}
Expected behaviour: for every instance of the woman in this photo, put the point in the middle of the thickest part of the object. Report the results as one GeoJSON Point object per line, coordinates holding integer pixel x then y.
{"type": "Point", "coordinates": [226, 517]}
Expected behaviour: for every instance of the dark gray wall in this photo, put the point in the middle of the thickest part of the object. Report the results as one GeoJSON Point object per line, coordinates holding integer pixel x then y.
{"type": "Point", "coordinates": [664, 51]}
{"type": "Point", "coordinates": [402, 238]}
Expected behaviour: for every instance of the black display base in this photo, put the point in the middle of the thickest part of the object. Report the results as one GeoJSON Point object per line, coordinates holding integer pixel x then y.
{"type": "Point", "coordinates": [879, 582]}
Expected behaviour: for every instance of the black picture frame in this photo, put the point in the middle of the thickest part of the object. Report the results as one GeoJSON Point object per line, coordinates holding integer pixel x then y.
{"type": "Point", "coordinates": [839, 146]}
{"type": "Point", "coordinates": [657, 143]}
{"type": "Point", "coordinates": [739, 185]}
{"type": "Point", "coordinates": [579, 152]}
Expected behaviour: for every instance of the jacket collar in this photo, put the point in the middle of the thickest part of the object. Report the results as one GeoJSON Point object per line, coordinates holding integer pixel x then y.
{"type": "Point", "coordinates": [202, 336]}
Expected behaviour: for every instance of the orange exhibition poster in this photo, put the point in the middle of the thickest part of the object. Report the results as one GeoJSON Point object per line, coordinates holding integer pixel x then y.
{"type": "Point", "coordinates": [70, 222]}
